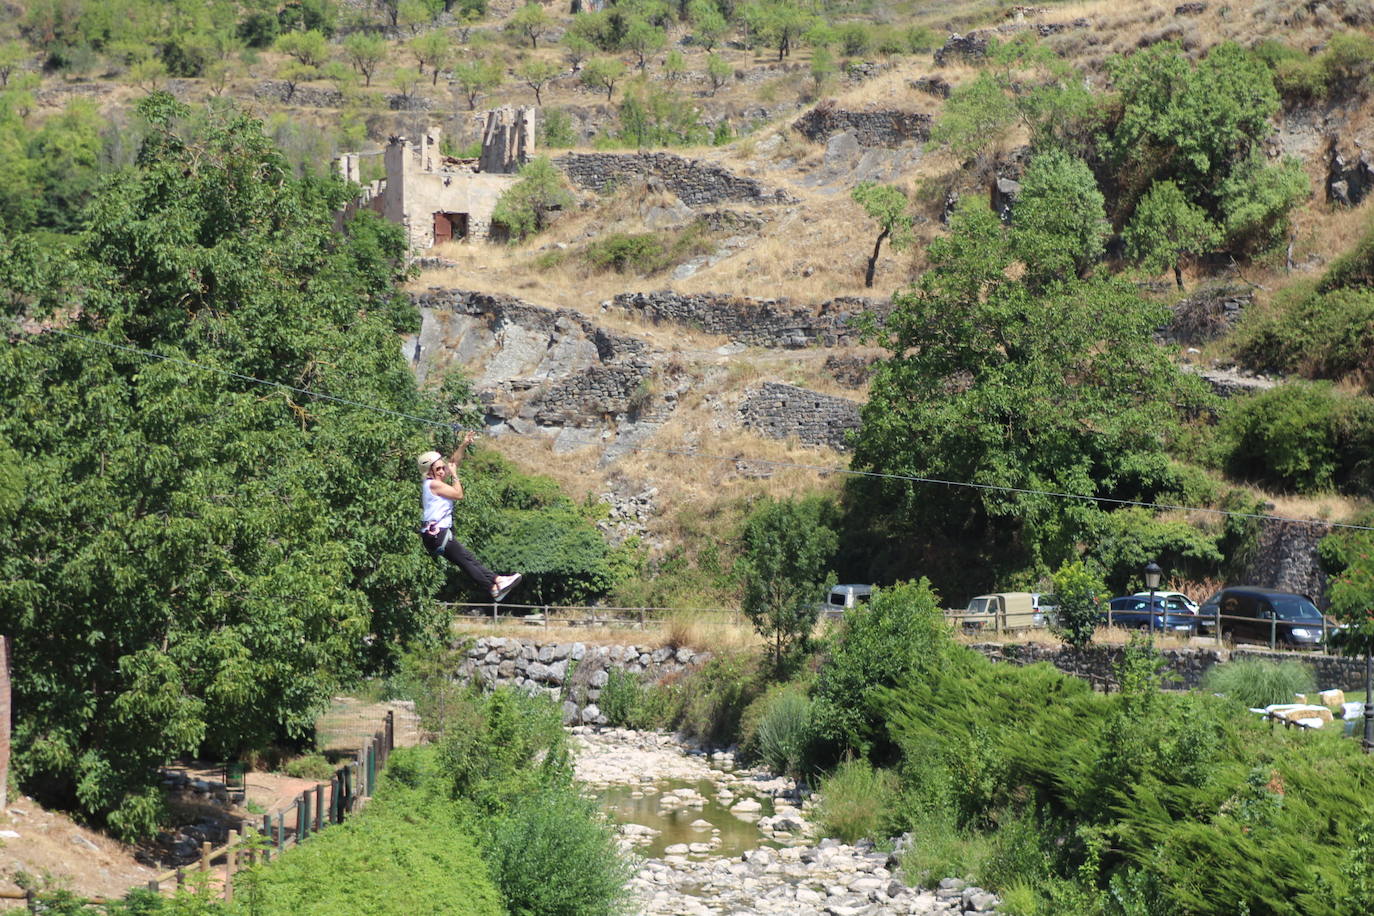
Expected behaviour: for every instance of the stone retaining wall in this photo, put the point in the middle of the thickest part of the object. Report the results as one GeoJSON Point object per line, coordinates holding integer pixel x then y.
{"type": "Point", "coordinates": [786, 411]}
{"type": "Point", "coordinates": [695, 182]}
{"type": "Point", "coordinates": [760, 322]}
{"type": "Point", "coordinates": [888, 127]}
{"type": "Point", "coordinates": [1098, 663]}
{"type": "Point", "coordinates": [573, 673]}
{"type": "Point", "coordinates": [1286, 558]}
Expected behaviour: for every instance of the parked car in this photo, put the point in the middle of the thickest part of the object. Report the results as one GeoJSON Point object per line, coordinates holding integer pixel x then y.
{"type": "Point", "coordinates": [1251, 614]}
{"type": "Point", "coordinates": [1137, 612]}
{"type": "Point", "coordinates": [1173, 600]}
{"type": "Point", "coordinates": [1015, 610]}
{"type": "Point", "coordinates": [845, 598]}
{"type": "Point", "coordinates": [1046, 609]}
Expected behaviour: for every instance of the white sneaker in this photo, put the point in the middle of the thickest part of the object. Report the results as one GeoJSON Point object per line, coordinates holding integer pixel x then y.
{"type": "Point", "coordinates": [504, 584]}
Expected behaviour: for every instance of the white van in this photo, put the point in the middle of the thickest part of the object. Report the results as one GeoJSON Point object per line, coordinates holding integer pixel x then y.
{"type": "Point", "coordinates": [846, 597]}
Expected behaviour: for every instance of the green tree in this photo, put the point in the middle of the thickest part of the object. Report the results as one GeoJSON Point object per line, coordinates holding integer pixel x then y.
{"type": "Point", "coordinates": [674, 66]}
{"type": "Point", "coordinates": [993, 383]}
{"type": "Point", "coordinates": [603, 73]}
{"type": "Point", "coordinates": [718, 71]}
{"type": "Point", "coordinates": [530, 21]}
{"type": "Point", "coordinates": [365, 53]}
{"type": "Point", "coordinates": [1078, 599]}
{"type": "Point", "coordinates": [708, 25]}
{"type": "Point", "coordinates": [576, 49]}
{"type": "Point", "coordinates": [887, 206]}
{"type": "Point", "coordinates": [12, 57]}
{"type": "Point", "coordinates": [822, 67]}
{"type": "Point", "coordinates": [787, 549]}
{"type": "Point", "coordinates": [475, 76]}
{"type": "Point", "coordinates": [536, 72]}
{"type": "Point", "coordinates": [1166, 228]}
{"type": "Point", "coordinates": [644, 39]}
{"type": "Point", "coordinates": [1352, 596]}
{"type": "Point", "coordinates": [435, 49]}
{"type": "Point", "coordinates": [779, 23]}
{"type": "Point", "coordinates": [310, 48]}
{"type": "Point", "coordinates": [205, 558]}
{"type": "Point", "coordinates": [525, 208]}
{"type": "Point", "coordinates": [1059, 226]}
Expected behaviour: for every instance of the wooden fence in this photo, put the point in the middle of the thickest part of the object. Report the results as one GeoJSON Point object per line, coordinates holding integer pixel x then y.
{"type": "Point", "coordinates": [313, 812]}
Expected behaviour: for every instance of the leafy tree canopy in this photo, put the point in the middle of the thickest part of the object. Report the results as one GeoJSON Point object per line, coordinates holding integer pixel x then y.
{"type": "Point", "coordinates": [994, 383]}
{"type": "Point", "coordinates": [788, 546]}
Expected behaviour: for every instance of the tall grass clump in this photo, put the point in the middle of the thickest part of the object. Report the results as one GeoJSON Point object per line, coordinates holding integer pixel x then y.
{"type": "Point", "coordinates": [780, 737]}
{"type": "Point", "coordinates": [1259, 682]}
{"type": "Point", "coordinates": [856, 801]}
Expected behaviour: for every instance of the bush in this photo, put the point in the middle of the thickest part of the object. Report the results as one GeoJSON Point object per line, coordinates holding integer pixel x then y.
{"type": "Point", "coordinates": [503, 747]}
{"type": "Point", "coordinates": [1317, 335]}
{"type": "Point", "coordinates": [259, 29]}
{"type": "Point", "coordinates": [899, 634]}
{"type": "Point", "coordinates": [715, 696]}
{"type": "Point", "coordinates": [556, 129]}
{"type": "Point", "coordinates": [528, 205]}
{"type": "Point", "coordinates": [1305, 436]}
{"type": "Point", "coordinates": [856, 801]}
{"type": "Point", "coordinates": [1079, 596]}
{"type": "Point", "coordinates": [1256, 682]}
{"type": "Point", "coordinates": [622, 252]}
{"type": "Point", "coordinates": [406, 852]}
{"type": "Point", "coordinates": [553, 855]}
{"type": "Point", "coordinates": [314, 766]}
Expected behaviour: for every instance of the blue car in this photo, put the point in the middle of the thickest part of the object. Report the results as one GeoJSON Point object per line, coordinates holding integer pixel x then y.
{"type": "Point", "coordinates": [1135, 612]}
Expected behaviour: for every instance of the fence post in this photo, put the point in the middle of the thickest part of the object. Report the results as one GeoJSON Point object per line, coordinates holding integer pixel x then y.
{"type": "Point", "coordinates": [1218, 623]}
{"type": "Point", "coordinates": [281, 832]}
{"type": "Point", "coordinates": [390, 731]}
{"type": "Point", "coordinates": [267, 832]}
{"type": "Point", "coordinates": [181, 877]}
{"type": "Point", "coordinates": [493, 612]}
{"type": "Point", "coordinates": [641, 618]}
{"type": "Point", "coordinates": [300, 822]}
{"type": "Point", "coordinates": [319, 806]}
{"type": "Point", "coordinates": [231, 859]}
{"type": "Point", "coordinates": [371, 768]}
{"type": "Point", "coordinates": [1273, 631]}
{"type": "Point", "coordinates": [305, 816]}
{"type": "Point", "coordinates": [205, 855]}
{"type": "Point", "coordinates": [153, 886]}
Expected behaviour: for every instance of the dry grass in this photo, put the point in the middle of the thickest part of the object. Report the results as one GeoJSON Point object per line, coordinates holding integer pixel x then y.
{"type": "Point", "coordinates": [716, 633]}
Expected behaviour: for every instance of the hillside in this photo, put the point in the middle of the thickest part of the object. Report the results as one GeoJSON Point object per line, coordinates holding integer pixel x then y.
{"type": "Point", "coordinates": [729, 88]}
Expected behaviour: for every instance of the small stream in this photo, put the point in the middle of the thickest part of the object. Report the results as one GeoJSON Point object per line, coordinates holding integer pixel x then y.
{"type": "Point", "coordinates": [712, 824]}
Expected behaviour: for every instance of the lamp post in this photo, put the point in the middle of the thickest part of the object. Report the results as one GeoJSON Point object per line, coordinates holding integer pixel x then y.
{"type": "Point", "coordinates": [1368, 699]}
{"type": "Point", "coordinates": [1152, 574]}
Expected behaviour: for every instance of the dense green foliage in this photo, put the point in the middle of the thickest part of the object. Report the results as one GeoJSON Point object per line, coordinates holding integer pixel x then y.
{"type": "Point", "coordinates": [886, 206]}
{"type": "Point", "coordinates": [1260, 681]}
{"type": "Point", "coordinates": [527, 207]}
{"type": "Point", "coordinates": [196, 561]}
{"type": "Point", "coordinates": [994, 382]}
{"type": "Point", "coordinates": [1078, 603]}
{"type": "Point", "coordinates": [857, 801]}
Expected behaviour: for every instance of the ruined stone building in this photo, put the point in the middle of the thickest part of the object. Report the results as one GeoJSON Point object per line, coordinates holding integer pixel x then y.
{"type": "Point", "coordinates": [439, 198]}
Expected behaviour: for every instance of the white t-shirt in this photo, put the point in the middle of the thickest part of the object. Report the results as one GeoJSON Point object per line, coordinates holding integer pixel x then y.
{"type": "Point", "coordinates": [438, 510]}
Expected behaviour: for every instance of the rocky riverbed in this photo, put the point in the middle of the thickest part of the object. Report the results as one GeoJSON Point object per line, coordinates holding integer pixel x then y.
{"type": "Point", "coordinates": [777, 866]}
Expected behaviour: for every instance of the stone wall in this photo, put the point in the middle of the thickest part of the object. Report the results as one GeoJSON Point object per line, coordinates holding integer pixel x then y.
{"type": "Point", "coordinates": [1287, 558]}
{"type": "Point", "coordinates": [786, 411]}
{"type": "Point", "coordinates": [891, 128]}
{"type": "Point", "coordinates": [1206, 314]}
{"type": "Point", "coordinates": [571, 673]}
{"type": "Point", "coordinates": [695, 182]}
{"type": "Point", "coordinates": [1098, 663]}
{"type": "Point", "coordinates": [760, 322]}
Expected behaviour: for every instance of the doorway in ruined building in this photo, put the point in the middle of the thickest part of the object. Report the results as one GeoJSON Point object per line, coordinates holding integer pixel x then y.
{"type": "Point", "coordinates": [450, 227]}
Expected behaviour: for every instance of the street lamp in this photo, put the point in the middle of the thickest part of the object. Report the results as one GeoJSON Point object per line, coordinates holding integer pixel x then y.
{"type": "Point", "coordinates": [1152, 574]}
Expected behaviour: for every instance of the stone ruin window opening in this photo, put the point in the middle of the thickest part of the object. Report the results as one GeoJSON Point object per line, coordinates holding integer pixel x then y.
{"type": "Point", "coordinates": [450, 227]}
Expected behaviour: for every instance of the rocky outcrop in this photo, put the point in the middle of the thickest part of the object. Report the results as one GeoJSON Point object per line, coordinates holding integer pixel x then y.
{"type": "Point", "coordinates": [540, 370]}
{"type": "Point", "coordinates": [937, 86]}
{"type": "Point", "coordinates": [1230, 382]}
{"type": "Point", "coordinates": [759, 322]}
{"type": "Point", "coordinates": [573, 674]}
{"type": "Point", "coordinates": [788, 412]}
{"type": "Point", "coordinates": [1347, 183]}
{"type": "Point", "coordinates": [970, 47]}
{"type": "Point", "coordinates": [850, 371]}
{"type": "Point", "coordinates": [696, 182]}
{"type": "Point", "coordinates": [885, 127]}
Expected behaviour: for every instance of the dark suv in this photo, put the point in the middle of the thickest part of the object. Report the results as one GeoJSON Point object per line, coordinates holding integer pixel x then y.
{"type": "Point", "coordinates": [1252, 614]}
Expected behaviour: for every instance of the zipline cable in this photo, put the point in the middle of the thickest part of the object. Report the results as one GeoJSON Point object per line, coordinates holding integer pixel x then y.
{"type": "Point", "coordinates": [686, 453]}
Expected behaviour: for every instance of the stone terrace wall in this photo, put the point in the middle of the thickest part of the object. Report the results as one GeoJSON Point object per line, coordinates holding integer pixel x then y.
{"type": "Point", "coordinates": [760, 322]}
{"type": "Point", "coordinates": [786, 411]}
{"type": "Point", "coordinates": [1098, 663]}
{"type": "Point", "coordinates": [888, 127]}
{"type": "Point", "coordinates": [1287, 559]}
{"type": "Point", "coordinates": [695, 182]}
{"type": "Point", "coordinates": [573, 673]}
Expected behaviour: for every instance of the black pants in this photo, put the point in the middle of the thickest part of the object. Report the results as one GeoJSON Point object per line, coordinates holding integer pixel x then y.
{"type": "Point", "coordinates": [461, 557]}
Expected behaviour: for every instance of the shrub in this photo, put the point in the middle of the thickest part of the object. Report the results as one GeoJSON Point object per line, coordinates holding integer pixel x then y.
{"type": "Point", "coordinates": [622, 252]}
{"type": "Point", "coordinates": [509, 745]}
{"type": "Point", "coordinates": [900, 633]}
{"type": "Point", "coordinates": [313, 766]}
{"type": "Point", "coordinates": [779, 739]}
{"type": "Point", "coordinates": [556, 129]}
{"type": "Point", "coordinates": [715, 696]}
{"type": "Point", "coordinates": [528, 205]}
{"type": "Point", "coordinates": [1079, 596]}
{"type": "Point", "coordinates": [620, 697]}
{"type": "Point", "coordinates": [553, 855]}
{"type": "Point", "coordinates": [1258, 682]}
{"type": "Point", "coordinates": [856, 801]}
{"type": "Point", "coordinates": [259, 29]}
{"type": "Point", "coordinates": [1320, 336]}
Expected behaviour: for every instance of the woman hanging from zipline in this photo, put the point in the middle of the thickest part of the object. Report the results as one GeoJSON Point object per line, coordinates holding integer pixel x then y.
{"type": "Point", "coordinates": [438, 491]}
